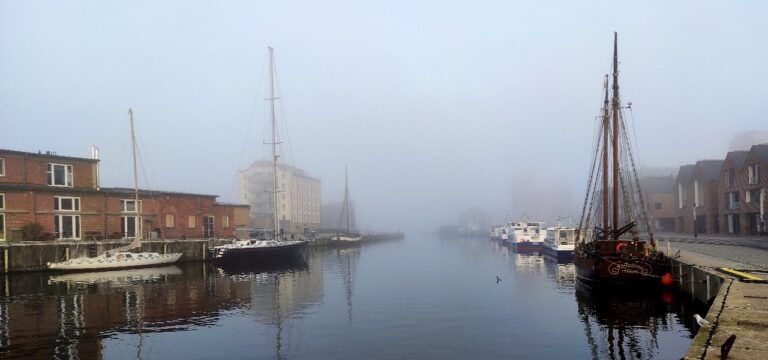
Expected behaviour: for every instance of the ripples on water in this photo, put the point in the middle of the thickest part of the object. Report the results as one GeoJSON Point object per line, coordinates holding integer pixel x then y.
{"type": "Point", "coordinates": [424, 297]}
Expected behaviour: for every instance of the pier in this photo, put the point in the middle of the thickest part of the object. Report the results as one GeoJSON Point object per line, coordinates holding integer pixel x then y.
{"type": "Point", "coordinates": [27, 256]}
{"type": "Point", "coordinates": [737, 292]}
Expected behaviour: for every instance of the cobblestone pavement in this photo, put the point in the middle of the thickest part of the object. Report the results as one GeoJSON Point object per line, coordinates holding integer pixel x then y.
{"type": "Point", "coordinates": [746, 255]}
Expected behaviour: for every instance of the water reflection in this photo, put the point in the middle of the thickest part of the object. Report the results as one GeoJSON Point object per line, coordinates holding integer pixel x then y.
{"type": "Point", "coordinates": [627, 324]}
{"type": "Point", "coordinates": [347, 259]}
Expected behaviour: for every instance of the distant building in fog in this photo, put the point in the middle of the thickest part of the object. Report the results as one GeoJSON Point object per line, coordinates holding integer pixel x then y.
{"type": "Point", "coordinates": [299, 197]}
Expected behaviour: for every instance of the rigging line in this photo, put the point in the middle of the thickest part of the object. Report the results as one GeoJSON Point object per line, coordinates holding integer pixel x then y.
{"type": "Point", "coordinates": [589, 183]}
{"type": "Point", "coordinates": [251, 117]}
{"type": "Point", "coordinates": [640, 192]}
{"type": "Point", "coordinates": [144, 173]}
{"type": "Point", "coordinates": [284, 118]}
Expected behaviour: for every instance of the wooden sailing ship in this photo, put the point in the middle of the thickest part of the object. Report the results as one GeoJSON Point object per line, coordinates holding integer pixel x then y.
{"type": "Point", "coordinates": [612, 251]}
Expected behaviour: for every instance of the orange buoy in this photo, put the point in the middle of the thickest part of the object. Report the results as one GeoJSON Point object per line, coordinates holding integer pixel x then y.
{"type": "Point", "coordinates": [667, 280]}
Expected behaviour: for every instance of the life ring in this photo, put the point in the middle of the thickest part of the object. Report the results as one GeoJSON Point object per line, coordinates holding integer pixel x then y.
{"type": "Point", "coordinates": [620, 246]}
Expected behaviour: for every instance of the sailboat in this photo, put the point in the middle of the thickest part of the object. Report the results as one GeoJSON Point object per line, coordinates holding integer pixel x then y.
{"type": "Point", "coordinates": [614, 253]}
{"type": "Point", "coordinates": [121, 257]}
{"type": "Point", "coordinates": [346, 237]}
{"type": "Point", "coordinates": [264, 248]}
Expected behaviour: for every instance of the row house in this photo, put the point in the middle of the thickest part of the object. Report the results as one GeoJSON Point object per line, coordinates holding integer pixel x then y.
{"type": "Point", "coordinates": [743, 180]}
{"type": "Point", "coordinates": [697, 197]}
{"type": "Point", "coordinates": [62, 195]}
{"type": "Point", "coordinates": [659, 193]}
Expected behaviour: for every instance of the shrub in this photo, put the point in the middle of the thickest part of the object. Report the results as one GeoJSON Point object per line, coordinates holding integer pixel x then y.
{"type": "Point", "coordinates": [32, 231]}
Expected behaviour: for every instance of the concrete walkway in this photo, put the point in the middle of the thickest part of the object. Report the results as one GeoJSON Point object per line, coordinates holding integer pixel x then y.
{"type": "Point", "coordinates": [740, 308]}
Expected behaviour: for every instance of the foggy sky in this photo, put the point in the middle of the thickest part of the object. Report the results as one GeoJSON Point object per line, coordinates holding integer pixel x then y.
{"type": "Point", "coordinates": [435, 106]}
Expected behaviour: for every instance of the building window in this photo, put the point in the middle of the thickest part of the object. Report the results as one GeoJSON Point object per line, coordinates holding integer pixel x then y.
{"type": "Point", "coordinates": [732, 200]}
{"type": "Point", "coordinates": [2, 167]}
{"type": "Point", "coordinates": [225, 222]}
{"type": "Point", "coordinates": [754, 174]}
{"type": "Point", "coordinates": [680, 195]}
{"type": "Point", "coordinates": [128, 205]}
{"type": "Point", "coordinates": [753, 196]}
{"type": "Point", "coordinates": [129, 226]}
{"type": "Point", "coordinates": [67, 226]}
{"type": "Point", "coordinates": [657, 206]}
{"type": "Point", "coordinates": [2, 226]}
{"type": "Point", "coordinates": [729, 176]}
{"type": "Point", "coordinates": [696, 193]}
{"type": "Point", "coordinates": [169, 221]}
{"type": "Point", "coordinates": [66, 203]}
{"type": "Point", "coordinates": [2, 201]}
{"type": "Point", "coordinates": [59, 174]}
{"type": "Point", "coordinates": [191, 221]}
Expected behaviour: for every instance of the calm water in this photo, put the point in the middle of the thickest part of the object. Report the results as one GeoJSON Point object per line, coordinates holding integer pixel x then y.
{"type": "Point", "coordinates": [424, 297]}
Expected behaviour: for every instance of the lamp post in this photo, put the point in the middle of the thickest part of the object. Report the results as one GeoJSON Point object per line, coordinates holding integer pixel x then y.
{"type": "Point", "coordinates": [695, 232]}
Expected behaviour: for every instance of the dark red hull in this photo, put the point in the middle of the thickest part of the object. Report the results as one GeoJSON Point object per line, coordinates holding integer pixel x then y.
{"type": "Point", "coordinates": [630, 266]}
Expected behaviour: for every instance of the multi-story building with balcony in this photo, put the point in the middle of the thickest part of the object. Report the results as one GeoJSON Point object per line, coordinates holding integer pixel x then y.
{"type": "Point", "coordinates": [298, 197]}
{"type": "Point", "coordinates": [62, 194]}
{"type": "Point", "coordinates": [730, 185]}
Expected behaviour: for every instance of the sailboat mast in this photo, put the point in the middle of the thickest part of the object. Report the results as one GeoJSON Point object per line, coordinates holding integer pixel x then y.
{"type": "Point", "coordinates": [615, 110]}
{"type": "Point", "coordinates": [606, 127]}
{"type": "Point", "coordinates": [346, 194]}
{"type": "Point", "coordinates": [274, 142]}
{"type": "Point", "coordinates": [135, 179]}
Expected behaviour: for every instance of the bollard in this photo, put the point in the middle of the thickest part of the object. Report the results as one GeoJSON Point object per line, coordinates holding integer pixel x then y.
{"type": "Point", "coordinates": [708, 289]}
{"type": "Point", "coordinates": [669, 249]}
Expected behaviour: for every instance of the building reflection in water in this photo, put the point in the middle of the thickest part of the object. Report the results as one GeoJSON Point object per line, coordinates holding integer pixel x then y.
{"type": "Point", "coordinates": [71, 315]}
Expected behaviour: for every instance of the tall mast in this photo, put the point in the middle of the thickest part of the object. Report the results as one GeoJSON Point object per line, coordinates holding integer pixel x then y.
{"type": "Point", "coordinates": [135, 180]}
{"type": "Point", "coordinates": [346, 194]}
{"type": "Point", "coordinates": [615, 124]}
{"type": "Point", "coordinates": [274, 142]}
{"type": "Point", "coordinates": [606, 128]}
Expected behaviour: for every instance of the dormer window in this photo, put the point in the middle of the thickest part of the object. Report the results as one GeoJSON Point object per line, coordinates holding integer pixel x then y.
{"type": "Point", "coordinates": [59, 175]}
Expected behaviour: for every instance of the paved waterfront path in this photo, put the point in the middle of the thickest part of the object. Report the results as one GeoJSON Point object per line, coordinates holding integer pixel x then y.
{"type": "Point", "coordinates": [740, 308]}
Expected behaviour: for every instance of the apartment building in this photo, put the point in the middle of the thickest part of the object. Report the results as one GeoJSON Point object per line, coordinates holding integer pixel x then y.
{"type": "Point", "coordinates": [298, 197]}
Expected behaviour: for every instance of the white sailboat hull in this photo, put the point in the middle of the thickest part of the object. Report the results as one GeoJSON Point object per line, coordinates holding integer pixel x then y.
{"type": "Point", "coordinates": [116, 261]}
{"type": "Point", "coordinates": [346, 238]}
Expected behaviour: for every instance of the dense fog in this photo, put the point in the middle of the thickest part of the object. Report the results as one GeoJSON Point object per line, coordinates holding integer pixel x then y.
{"type": "Point", "coordinates": [435, 107]}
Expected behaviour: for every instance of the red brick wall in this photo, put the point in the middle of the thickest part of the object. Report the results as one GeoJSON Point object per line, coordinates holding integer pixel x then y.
{"type": "Point", "coordinates": [35, 166]}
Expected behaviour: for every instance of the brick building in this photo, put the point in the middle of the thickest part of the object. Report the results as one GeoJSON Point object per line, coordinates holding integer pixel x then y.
{"type": "Point", "coordinates": [697, 186]}
{"type": "Point", "coordinates": [743, 181]}
{"type": "Point", "coordinates": [731, 184]}
{"type": "Point", "coordinates": [659, 192]}
{"type": "Point", "coordinates": [63, 195]}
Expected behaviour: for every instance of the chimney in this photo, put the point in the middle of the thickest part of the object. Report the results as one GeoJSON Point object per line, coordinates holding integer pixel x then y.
{"type": "Point", "coordinates": [95, 156]}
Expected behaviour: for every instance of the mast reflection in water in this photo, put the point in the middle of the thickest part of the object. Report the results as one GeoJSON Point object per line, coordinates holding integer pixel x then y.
{"type": "Point", "coordinates": [425, 297]}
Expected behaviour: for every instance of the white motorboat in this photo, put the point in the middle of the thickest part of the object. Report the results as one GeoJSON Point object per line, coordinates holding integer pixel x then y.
{"type": "Point", "coordinates": [560, 242]}
{"type": "Point", "coordinates": [526, 235]}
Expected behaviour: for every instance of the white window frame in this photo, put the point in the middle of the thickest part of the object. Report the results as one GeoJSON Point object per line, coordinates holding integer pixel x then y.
{"type": "Point", "coordinates": [680, 194]}
{"type": "Point", "coordinates": [68, 175]}
{"type": "Point", "coordinates": [124, 226]}
{"type": "Point", "coordinates": [58, 202]}
{"type": "Point", "coordinates": [696, 194]}
{"type": "Point", "coordinates": [124, 206]}
{"type": "Point", "coordinates": [225, 222]}
{"type": "Point", "coordinates": [2, 166]}
{"type": "Point", "coordinates": [754, 174]}
{"type": "Point", "coordinates": [76, 226]}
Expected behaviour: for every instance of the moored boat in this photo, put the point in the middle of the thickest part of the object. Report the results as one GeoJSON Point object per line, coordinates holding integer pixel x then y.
{"type": "Point", "coordinates": [265, 245]}
{"type": "Point", "coordinates": [526, 236]}
{"type": "Point", "coordinates": [347, 236]}
{"type": "Point", "coordinates": [559, 243]}
{"type": "Point", "coordinates": [121, 258]}
{"type": "Point", "coordinates": [613, 253]}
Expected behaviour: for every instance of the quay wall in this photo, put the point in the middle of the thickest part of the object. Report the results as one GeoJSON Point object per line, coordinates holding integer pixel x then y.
{"type": "Point", "coordinates": [33, 256]}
